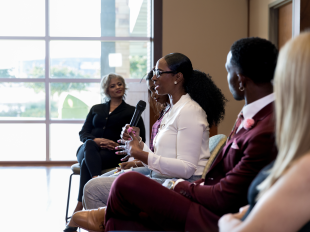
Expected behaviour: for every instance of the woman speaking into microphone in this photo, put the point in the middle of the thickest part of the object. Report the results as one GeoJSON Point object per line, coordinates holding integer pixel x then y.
{"type": "Point", "coordinates": [181, 146]}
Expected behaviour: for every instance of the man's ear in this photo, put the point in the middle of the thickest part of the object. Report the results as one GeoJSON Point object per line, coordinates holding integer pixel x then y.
{"type": "Point", "coordinates": [242, 80]}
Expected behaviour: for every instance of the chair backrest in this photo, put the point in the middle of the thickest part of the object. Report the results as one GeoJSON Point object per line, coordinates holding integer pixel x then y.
{"type": "Point", "coordinates": [216, 143]}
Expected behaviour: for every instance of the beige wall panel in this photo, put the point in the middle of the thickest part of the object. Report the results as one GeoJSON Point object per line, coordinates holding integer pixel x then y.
{"type": "Point", "coordinates": [259, 13]}
{"type": "Point", "coordinates": [204, 30]}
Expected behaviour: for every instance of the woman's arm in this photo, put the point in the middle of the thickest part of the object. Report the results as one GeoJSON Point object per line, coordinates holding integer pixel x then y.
{"type": "Point", "coordinates": [87, 128]}
{"type": "Point", "coordinates": [85, 133]}
{"type": "Point", "coordinates": [191, 124]}
{"type": "Point", "coordinates": [285, 207]}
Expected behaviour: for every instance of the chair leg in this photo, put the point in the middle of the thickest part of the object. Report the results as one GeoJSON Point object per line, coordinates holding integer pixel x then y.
{"type": "Point", "coordinates": [68, 199]}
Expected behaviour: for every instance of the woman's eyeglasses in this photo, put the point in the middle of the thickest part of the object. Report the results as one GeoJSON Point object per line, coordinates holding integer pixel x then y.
{"type": "Point", "coordinates": [157, 72]}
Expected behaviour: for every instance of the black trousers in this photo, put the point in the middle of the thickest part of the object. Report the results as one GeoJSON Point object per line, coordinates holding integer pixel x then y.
{"type": "Point", "coordinates": [92, 160]}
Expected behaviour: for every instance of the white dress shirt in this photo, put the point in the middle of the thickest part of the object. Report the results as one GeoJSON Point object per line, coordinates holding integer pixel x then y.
{"type": "Point", "coordinates": [250, 110]}
{"type": "Point", "coordinates": [181, 146]}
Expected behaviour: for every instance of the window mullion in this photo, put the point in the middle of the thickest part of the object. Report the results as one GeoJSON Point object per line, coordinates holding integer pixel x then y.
{"type": "Point", "coordinates": [47, 71]}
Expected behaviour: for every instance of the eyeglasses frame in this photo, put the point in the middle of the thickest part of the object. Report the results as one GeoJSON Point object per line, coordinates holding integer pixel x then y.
{"type": "Point", "coordinates": [161, 72]}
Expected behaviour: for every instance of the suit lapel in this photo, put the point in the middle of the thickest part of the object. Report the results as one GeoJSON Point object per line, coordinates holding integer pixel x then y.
{"type": "Point", "coordinates": [263, 113]}
{"type": "Point", "coordinates": [226, 148]}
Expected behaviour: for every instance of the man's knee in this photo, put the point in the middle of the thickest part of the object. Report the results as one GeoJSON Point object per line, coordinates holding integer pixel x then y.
{"type": "Point", "coordinates": [91, 186]}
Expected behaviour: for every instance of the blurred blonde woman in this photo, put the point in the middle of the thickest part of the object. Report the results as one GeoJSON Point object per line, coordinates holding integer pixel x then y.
{"type": "Point", "coordinates": [281, 192]}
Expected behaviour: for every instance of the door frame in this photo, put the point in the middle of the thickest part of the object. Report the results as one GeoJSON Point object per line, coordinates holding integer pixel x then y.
{"type": "Point", "coordinates": [274, 15]}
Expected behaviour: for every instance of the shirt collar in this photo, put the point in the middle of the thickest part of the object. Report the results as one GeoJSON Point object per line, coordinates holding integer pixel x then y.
{"type": "Point", "coordinates": [182, 99]}
{"type": "Point", "coordinates": [251, 109]}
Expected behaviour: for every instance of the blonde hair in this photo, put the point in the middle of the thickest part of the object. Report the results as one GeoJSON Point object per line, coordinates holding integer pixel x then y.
{"type": "Point", "coordinates": [105, 83]}
{"type": "Point", "coordinates": [292, 92]}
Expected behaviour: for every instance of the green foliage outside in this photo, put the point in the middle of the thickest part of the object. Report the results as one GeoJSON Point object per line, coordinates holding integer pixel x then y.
{"type": "Point", "coordinates": [138, 66]}
{"type": "Point", "coordinates": [37, 109]}
{"type": "Point", "coordinates": [5, 73]}
{"type": "Point", "coordinates": [58, 87]}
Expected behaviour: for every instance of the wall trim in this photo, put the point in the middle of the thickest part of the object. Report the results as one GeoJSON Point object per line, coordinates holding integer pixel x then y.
{"type": "Point", "coordinates": [278, 3]}
{"type": "Point", "coordinates": [37, 163]}
{"type": "Point", "coordinates": [273, 19]}
{"type": "Point", "coordinates": [158, 30]}
{"type": "Point", "coordinates": [274, 16]}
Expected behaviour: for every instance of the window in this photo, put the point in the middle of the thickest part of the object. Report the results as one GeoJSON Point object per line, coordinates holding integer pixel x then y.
{"type": "Point", "coordinates": [52, 56]}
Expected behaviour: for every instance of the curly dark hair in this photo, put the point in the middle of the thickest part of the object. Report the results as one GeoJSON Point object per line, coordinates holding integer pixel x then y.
{"type": "Point", "coordinates": [255, 58]}
{"type": "Point", "coordinates": [200, 87]}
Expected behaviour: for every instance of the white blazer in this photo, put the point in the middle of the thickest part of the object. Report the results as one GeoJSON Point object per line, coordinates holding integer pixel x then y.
{"type": "Point", "coordinates": [181, 146]}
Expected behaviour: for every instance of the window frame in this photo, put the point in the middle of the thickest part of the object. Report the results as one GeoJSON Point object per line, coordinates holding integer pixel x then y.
{"type": "Point", "coordinates": [155, 5]}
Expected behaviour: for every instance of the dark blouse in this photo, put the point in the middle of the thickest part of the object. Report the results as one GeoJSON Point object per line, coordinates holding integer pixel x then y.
{"type": "Point", "coordinates": [253, 192]}
{"type": "Point", "coordinates": [100, 124]}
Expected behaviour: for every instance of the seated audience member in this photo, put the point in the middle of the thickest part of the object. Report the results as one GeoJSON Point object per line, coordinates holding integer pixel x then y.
{"type": "Point", "coordinates": [182, 144]}
{"type": "Point", "coordinates": [283, 188]}
{"type": "Point", "coordinates": [138, 203]}
{"type": "Point", "coordinates": [101, 130]}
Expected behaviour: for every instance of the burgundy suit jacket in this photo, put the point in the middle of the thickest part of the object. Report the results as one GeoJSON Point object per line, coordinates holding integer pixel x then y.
{"type": "Point", "coordinates": [227, 181]}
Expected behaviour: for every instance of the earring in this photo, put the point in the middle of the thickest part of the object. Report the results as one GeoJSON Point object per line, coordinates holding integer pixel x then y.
{"type": "Point", "coordinates": [175, 82]}
{"type": "Point", "coordinates": [241, 88]}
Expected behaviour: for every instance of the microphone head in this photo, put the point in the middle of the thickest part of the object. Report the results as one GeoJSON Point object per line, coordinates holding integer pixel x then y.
{"type": "Point", "coordinates": [141, 105]}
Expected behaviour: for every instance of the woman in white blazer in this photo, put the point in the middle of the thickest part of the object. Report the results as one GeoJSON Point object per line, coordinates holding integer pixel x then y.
{"type": "Point", "coordinates": [181, 146]}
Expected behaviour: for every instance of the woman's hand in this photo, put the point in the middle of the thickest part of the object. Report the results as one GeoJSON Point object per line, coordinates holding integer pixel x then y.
{"type": "Point", "coordinates": [127, 165]}
{"type": "Point", "coordinates": [105, 143]}
{"type": "Point", "coordinates": [242, 212]}
{"type": "Point", "coordinates": [125, 133]}
{"type": "Point", "coordinates": [132, 148]}
{"type": "Point", "coordinates": [229, 221]}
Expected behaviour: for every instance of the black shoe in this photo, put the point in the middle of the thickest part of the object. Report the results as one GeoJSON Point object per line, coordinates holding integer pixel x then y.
{"type": "Point", "coordinates": [70, 229]}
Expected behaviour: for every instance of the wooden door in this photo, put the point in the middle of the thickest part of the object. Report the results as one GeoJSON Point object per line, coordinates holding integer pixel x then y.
{"type": "Point", "coordinates": [304, 15]}
{"type": "Point", "coordinates": [284, 24]}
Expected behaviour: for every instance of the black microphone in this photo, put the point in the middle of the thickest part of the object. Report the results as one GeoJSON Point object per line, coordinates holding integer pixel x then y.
{"type": "Point", "coordinates": [140, 107]}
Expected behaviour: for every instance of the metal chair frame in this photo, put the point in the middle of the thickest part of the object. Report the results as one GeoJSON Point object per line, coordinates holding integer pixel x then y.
{"type": "Point", "coordinates": [68, 198]}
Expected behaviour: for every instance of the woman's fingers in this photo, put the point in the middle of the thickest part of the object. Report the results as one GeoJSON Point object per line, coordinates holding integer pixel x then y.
{"type": "Point", "coordinates": [124, 132]}
{"type": "Point", "coordinates": [123, 141]}
{"type": "Point", "coordinates": [125, 158]}
{"type": "Point", "coordinates": [125, 136]}
{"type": "Point", "coordinates": [122, 147]}
{"type": "Point", "coordinates": [136, 131]}
{"type": "Point", "coordinates": [132, 136]}
{"type": "Point", "coordinates": [121, 152]}
{"type": "Point", "coordinates": [122, 165]}
{"type": "Point", "coordinates": [129, 165]}
{"type": "Point", "coordinates": [115, 144]}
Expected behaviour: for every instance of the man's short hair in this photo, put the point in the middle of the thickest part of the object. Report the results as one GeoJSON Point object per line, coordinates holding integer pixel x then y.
{"type": "Point", "coordinates": [255, 58]}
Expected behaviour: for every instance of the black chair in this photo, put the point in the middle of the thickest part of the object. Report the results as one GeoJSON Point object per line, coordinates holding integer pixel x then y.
{"type": "Point", "coordinates": [76, 171]}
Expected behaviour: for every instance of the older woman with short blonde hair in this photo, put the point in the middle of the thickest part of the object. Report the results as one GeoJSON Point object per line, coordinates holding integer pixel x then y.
{"type": "Point", "coordinates": [101, 130]}
{"type": "Point", "coordinates": [104, 86]}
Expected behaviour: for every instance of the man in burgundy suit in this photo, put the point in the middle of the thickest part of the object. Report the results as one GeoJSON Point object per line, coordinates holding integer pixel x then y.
{"type": "Point", "coordinates": [138, 203]}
